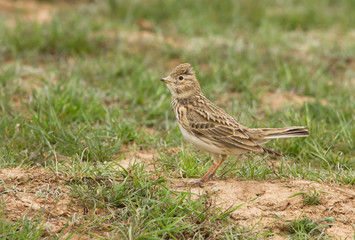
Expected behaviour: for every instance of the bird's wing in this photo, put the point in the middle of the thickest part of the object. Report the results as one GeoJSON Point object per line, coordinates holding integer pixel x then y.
{"type": "Point", "coordinates": [214, 125]}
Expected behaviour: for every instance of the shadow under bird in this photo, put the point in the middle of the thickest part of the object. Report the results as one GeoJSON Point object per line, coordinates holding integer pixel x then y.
{"type": "Point", "coordinates": [210, 128]}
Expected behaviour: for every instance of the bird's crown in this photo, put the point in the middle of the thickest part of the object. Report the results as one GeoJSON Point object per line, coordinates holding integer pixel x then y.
{"type": "Point", "coordinates": [184, 68]}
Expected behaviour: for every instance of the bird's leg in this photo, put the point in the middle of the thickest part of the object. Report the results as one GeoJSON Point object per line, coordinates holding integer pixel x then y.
{"type": "Point", "coordinates": [205, 177]}
{"type": "Point", "coordinates": [209, 173]}
{"type": "Point", "coordinates": [216, 163]}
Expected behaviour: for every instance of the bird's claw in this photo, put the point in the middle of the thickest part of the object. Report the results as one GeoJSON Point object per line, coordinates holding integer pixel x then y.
{"type": "Point", "coordinates": [198, 182]}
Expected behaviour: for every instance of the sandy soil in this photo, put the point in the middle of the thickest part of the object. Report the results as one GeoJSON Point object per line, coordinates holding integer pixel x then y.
{"type": "Point", "coordinates": [40, 12]}
{"type": "Point", "coordinates": [31, 10]}
{"type": "Point", "coordinates": [36, 192]}
{"type": "Point", "coordinates": [278, 100]}
{"type": "Point", "coordinates": [275, 202]}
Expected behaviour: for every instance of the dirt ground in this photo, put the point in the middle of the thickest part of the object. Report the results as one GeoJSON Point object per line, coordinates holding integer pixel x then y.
{"type": "Point", "coordinates": [275, 203]}
{"type": "Point", "coordinates": [36, 192]}
{"type": "Point", "coordinates": [32, 10]}
{"type": "Point", "coordinates": [277, 100]}
{"type": "Point", "coordinates": [40, 12]}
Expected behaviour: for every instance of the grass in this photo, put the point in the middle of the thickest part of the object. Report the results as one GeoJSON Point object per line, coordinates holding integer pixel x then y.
{"type": "Point", "coordinates": [310, 197]}
{"type": "Point", "coordinates": [22, 229]}
{"type": "Point", "coordinates": [78, 91]}
{"type": "Point", "coordinates": [307, 228]}
{"type": "Point", "coordinates": [142, 207]}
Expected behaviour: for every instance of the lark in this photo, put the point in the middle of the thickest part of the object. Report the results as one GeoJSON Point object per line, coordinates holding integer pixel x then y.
{"type": "Point", "coordinates": [210, 128]}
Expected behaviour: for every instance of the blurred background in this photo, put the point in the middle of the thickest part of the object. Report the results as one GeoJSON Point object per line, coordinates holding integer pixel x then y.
{"type": "Point", "coordinates": [81, 75]}
{"type": "Point", "coordinates": [80, 90]}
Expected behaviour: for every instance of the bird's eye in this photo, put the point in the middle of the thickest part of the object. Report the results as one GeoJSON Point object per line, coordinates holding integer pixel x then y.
{"type": "Point", "coordinates": [181, 78]}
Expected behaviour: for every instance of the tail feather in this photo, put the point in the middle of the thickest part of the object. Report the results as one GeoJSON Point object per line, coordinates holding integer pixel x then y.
{"type": "Point", "coordinates": [263, 135]}
{"type": "Point", "coordinates": [271, 152]}
{"type": "Point", "coordinates": [270, 133]}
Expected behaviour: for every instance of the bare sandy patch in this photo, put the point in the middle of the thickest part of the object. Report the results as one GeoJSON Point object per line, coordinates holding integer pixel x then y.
{"type": "Point", "coordinates": [146, 157]}
{"type": "Point", "coordinates": [149, 158]}
{"type": "Point", "coordinates": [145, 39]}
{"type": "Point", "coordinates": [36, 192]}
{"type": "Point", "coordinates": [278, 100]}
{"type": "Point", "coordinates": [38, 11]}
{"type": "Point", "coordinates": [224, 99]}
{"type": "Point", "coordinates": [274, 203]}
{"type": "Point", "coordinates": [31, 10]}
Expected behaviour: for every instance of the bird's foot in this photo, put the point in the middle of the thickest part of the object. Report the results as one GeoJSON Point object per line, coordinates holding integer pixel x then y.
{"type": "Point", "coordinates": [201, 181]}
{"type": "Point", "coordinates": [197, 183]}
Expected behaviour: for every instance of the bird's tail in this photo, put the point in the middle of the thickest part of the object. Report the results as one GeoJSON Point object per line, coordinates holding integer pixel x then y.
{"type": "Point", "coordinates": [287, 132]}
{"type": "Point", "coordinates": [271, 152]}
{"type": "Point", "coordinates": [263, 135]}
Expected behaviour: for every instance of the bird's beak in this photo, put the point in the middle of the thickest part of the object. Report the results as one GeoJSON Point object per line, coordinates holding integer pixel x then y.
{"type": "Point", "coordinates": [165, 79]}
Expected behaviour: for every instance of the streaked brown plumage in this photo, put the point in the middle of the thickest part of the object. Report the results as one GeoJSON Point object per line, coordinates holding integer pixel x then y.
{"type": "Point", "coordinates": [210, 128]}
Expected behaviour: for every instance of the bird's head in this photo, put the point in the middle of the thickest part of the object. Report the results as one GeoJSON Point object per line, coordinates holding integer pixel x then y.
{"type": "Point", "coordinates": [182, 81]}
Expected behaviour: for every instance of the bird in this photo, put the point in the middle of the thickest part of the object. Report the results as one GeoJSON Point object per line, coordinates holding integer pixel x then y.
{"type": "Point", "coordinates": [210, 128]}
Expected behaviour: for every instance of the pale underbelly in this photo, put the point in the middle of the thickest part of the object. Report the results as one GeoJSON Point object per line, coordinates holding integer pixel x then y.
{"type": "Point", "coordinates": [208, 147]}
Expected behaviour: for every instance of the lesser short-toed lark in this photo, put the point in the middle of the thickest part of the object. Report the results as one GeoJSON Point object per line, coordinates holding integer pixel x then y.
{"type": "Point", "coordinates": [210, 128]}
